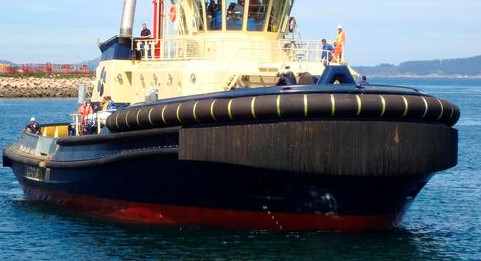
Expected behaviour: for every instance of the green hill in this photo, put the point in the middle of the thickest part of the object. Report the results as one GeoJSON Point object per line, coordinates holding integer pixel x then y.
{"type": "Point", "coordinates": [435, 68]}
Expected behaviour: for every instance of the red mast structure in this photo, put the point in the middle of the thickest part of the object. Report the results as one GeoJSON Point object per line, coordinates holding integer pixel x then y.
{"type": "Point", "coordinates": [158, 23]}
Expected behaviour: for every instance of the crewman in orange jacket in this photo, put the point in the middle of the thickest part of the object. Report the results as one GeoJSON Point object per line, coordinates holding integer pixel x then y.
{"type": "Point", "coordinates": [84, 110]}
{"type": "Point", "coordinates": [336, 55]}
{"type": "Point", "coordinates": [339, 42]}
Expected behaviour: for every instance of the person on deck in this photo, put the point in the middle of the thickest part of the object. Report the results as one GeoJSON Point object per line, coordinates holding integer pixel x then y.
{"type": "Point", "coordinates": [84, 110]}
{"type": "Point", "coordinates": [336, 55]}
{"type": "Point", "coordinates": [363, 80]}
{"type": "Point", "coordinates": [327, 50]}
{"type": "Point", "coordinates": [107, 103]}
{"type": "Point", "coordinates": [145, 33]}
{"type": "Point", "coordinates": [339, 42]}
{"type": "Point", "coordinates": [33, 126]}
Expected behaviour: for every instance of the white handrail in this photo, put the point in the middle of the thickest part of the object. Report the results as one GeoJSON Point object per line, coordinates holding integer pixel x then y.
{"type": "Point", "coordinates": [188, 48]}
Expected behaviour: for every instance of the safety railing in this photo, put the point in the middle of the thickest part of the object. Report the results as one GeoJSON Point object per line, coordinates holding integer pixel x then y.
{"type": "Point", "coordinates": [91, 124]}
{"type": "Point", "coordinates": [189, 48]}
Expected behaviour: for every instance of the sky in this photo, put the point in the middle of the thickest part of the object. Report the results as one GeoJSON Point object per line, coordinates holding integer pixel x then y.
{"type": "Point", "coordinates": [377, 31]}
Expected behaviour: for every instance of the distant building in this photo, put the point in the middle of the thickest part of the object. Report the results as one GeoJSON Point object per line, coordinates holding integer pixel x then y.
{"type": "Point", "coordinates": [47, 68]}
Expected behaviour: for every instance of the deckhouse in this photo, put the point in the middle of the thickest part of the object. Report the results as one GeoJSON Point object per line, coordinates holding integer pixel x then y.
{"type": "Point", "coordinates": [202, 47]}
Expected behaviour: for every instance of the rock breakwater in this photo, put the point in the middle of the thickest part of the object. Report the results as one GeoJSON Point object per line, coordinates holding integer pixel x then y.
{"type": "Point", "coordinates": [38, 87]}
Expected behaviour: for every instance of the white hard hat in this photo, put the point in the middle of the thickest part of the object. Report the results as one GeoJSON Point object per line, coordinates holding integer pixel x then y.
{"type": "Point", "coordinates": [32, 119]}
{"type": "Point", "coordinates": [339, 27]}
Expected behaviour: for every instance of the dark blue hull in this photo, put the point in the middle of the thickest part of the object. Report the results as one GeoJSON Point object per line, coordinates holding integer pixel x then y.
{"type": "Point", "coordinates": [295, 180]}
{"type": "Point", "coordinates": [154, 183]}
{"type": "Point", "coordinates": [293, 158]}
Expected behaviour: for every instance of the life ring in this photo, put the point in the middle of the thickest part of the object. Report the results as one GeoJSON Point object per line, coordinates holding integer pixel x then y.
{"type": "Point", "coordinates": [172, 13]}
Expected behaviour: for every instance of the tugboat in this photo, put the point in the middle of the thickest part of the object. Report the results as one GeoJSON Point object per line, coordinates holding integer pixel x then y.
{"type": "Point", "coordinates": [225, 118]}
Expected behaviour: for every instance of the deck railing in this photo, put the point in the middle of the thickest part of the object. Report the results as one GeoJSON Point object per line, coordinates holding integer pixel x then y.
{"type": "Point", "coordinates": [185, 48]}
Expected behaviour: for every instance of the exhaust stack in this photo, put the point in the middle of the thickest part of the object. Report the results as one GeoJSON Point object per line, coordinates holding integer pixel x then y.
{"type": "Point", "coordinates": [128, 14]}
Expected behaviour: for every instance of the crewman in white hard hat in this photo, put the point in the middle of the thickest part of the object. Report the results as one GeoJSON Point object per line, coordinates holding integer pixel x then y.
{"type": "Point", "coordinates": [33, 126]}
{"type": "Point", "coordinates": [339, 43]}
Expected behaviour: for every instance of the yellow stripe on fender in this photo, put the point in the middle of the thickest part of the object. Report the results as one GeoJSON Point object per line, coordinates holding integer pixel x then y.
{"type": "Point", "coordinates": [425, 107]}
{"type": "Point", "coordinates": [229, 110]}
{"type": "Point", "coordinates": [383, 107]}
{"type": "Point", "coordinates": [177, 113]}
{"type": "Point", "coordinates": [452, 112]}
{"type": "Point", "coordinates": [126, 120]}
{"type": "Point", "coordinates": [150, 119]}
{"type": "Point", "coordinates": [305, 105]}
{"type": "Point", "coordinates": [212, 110]}
{"type": "Point", "coordinates": [137, 116]}
{"type": "Point", "coordinates": [442, 110]}
{"type": "Point", "coordinates": [333, 105]}
{"type": "Point", "coordinates": [253, 107]}
{"type": "Point", "coordinates": [359, 105]}
{"type": "Point", "coordinates": [116, 120]}
{"type": "Point", "coordinates": [406, 106]}
{"type": "Point", "coordinates": [278, 105]}
{"type": "Point", "coordinates": [163, 117]}
{"type": "Point", "coordinates": [193, 111]}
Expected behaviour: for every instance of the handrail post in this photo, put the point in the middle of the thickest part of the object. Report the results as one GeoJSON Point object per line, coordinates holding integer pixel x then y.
{"type": "Point", "coordinates": [98, 122]}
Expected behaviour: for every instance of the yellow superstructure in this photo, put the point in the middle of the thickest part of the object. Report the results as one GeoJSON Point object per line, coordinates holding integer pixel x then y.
{"type": "Point", "coordinates": [197, 50]}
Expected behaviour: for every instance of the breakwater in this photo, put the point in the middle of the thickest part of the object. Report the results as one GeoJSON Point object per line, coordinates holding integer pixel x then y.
{"type": "Point", "coordinates": [41, 87]}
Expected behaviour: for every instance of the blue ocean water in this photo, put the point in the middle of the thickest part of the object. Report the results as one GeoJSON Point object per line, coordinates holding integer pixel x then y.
{"type": "Point", "coordinates": [443, 223]}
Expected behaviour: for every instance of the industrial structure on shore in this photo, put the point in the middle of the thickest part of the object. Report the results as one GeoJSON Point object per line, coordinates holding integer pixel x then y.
{"type": "Point", "coordinates": [47, 68]}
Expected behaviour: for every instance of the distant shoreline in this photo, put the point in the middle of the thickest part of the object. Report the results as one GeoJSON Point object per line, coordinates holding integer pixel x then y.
{"type": "Point", "coordinates": [41, 87]}
{"type": "Point", "coordinates": [61, 87]}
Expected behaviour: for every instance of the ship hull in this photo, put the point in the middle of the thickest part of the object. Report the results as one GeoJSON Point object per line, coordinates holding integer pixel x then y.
{"type": "Point", "coordinates": [297, 175]}
{"type": "Point", "coordinates": [164, 190]}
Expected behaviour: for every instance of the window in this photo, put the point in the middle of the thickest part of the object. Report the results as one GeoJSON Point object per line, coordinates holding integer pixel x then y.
{"type": "Point", "coordinates": [234, 14]}
{"type": "Point", "coordinates": [257, 15]}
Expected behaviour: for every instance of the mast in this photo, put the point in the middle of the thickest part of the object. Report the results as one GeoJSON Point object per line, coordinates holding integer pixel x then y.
{"type": "Point", "coordinates": [158, 21]}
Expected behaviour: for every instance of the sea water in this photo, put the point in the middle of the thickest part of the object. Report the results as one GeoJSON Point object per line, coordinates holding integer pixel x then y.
{"type": "Point", "coordinates": [443, 223]}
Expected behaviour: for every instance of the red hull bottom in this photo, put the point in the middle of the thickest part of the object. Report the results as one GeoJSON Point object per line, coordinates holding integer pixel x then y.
{"type": "Point", "coordinates": [229, 219]}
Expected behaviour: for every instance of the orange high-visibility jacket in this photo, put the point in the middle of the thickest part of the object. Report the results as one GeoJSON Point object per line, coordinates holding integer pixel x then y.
{"type": "Point", "coordinates": [84, 110]}
{"type": "Point", "coordinates": [341, 37]}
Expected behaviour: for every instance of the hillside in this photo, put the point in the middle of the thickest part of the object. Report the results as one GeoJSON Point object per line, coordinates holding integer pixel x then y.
{"type": "Point", "coordinates": [92, 64]}
{"type": "Point", "coordinates": [435, 68]}
{"type": "Point", "coordinates": [6, 62]}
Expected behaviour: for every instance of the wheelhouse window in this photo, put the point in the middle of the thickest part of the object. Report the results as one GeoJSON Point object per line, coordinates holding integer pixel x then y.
{"type": "Point", "coordinates": [234, 14]}
{"type": "Point", "coordinates": [214, 15]}
{"type": "Point", "coordinates": [270, 15]}
{"type": "Point", "coordinates": [257, 15]}
{"type": "Point", "coordinates": [278, 15]}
